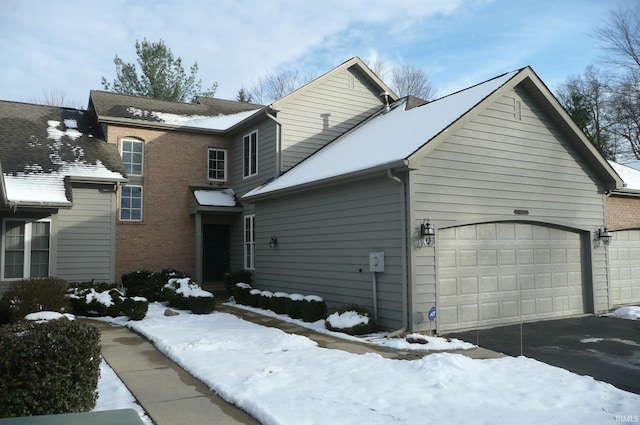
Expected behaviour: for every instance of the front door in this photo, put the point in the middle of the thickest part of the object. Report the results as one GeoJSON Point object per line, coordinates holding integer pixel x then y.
{"type": "Point", "coordinates": [215, 251]}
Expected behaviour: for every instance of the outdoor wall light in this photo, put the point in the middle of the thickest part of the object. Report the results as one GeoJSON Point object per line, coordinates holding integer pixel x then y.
{"type": "Point", "coordinates": [273, 243]}
{"type": "Point", "coordinates": [604, 235]}
{"type": "Point", "coordinates": [427, 233]}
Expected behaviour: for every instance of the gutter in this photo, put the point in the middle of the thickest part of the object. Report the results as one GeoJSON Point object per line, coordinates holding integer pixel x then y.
{"type": "Point", "coordinates": [403, 241]}
{"type": "Point", "coordinates": [278, 143]}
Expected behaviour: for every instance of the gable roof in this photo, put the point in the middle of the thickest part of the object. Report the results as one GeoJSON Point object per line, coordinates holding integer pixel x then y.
{"type": "Point", "coordinates": [355, 63]}
{"type": "Point", "coordinates": [43, 148]}
{"type": "Point", "coordinates": [208, 114]}
{"type": "Point", "coordinates": [407, 132]}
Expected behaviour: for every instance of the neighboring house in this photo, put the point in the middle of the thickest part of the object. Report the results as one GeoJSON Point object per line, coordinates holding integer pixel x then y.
{"type": "Point", "coordinates": [514, 191]}
{"type": "Point", "coordinates": [188, 164]}
{"type": "Point", "coordinates": [623, 219]}
{"type": "Point", "coordinates": [58, 185]}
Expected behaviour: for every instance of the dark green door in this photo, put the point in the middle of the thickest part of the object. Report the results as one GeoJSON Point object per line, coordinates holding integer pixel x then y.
{"type": "Point", "coordinates": [215, 251]}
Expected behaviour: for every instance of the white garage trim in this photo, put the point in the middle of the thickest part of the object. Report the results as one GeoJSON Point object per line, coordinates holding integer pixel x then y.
{"type": "Point", "coordinates": [624, 267]}
{"type": "Point", "coordinates": [506, 272]}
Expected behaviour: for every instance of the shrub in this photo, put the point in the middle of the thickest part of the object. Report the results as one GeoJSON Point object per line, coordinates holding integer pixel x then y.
{"type": "Point", "coordinates": [313, 308]}
{"type": "Point", "coordinates": [254, 297]}
{"type": "Point", "coordinates": [135, 308]}
{"type": "Point", "coordinates": [201, 305]}
{"type": "Point", "coordinates": [48, 368]}
{"type": "Point", "coordinates": [175, 299]}
{"type": "Point", "coordinates": [32, 295]}
{"type": "Point", "coordinates": [149, 285]}
{"type": "Point", "coordinates": [180, 291]}
{"type": "Point", "coordinates": [264, 301]}
{"type": "Point", "coordinates": [278, 302]}
{"type": "Point", "coordinates": [239, 276]}
{"type": "Point", "coordinates": [242, 293]}
{"type": "Point", "coordinates": [294, 306]}
{"type": "Point", "coordinates": [363, 322]}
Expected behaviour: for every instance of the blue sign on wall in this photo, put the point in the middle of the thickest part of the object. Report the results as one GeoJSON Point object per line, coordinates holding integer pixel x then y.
{"type": "Point", "coordinates": [432, 313]}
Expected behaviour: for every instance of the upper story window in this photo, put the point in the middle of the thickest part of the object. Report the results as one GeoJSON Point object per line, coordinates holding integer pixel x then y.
{"type": "Point", "coordinates": [217, 164]}
{"type": "Point", "coordinates": [25, 249]}
{"type": "Point", "coordinates": [132, 156]}
{"type": "Point", "coordinates": [250, 143]}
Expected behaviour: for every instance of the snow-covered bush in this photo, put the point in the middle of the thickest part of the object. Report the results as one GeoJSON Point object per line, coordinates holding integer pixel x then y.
{"type": "Point", "coordinates": [112, 302]}
{"type": "Point", "coordinates": [32, 295]}
{"type": "Point", "coordinates": [254, 298]}
{"type": "Point", "coordinates": [265, 300]}
{"type": "Point", "coordinates": [135, 308]}
{"type": "Point", "coordinates": [278, 302]}
{"type": "Point", "coordinates": [352, 320]}
{"type": "Point", "coordinates": [201, 305]}
{"type": "Point", "coordinates": [149, 285]}
{"type": "Point", "coordinates": [294, 306]}
{"type": "Point", "coordinates": [242, 293]}
{"type": "Point", "coordinates": [48, 368]}
{"type": "Point", "coordinates": [239, 276]}
{"type": "Point", "coordinates": [179, 291]}
{"type": "Point", "coordinates": [313, 308]}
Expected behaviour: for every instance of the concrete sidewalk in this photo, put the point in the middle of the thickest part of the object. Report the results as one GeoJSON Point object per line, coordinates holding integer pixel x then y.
{"type": "Point", "coordinates": [171, 396]}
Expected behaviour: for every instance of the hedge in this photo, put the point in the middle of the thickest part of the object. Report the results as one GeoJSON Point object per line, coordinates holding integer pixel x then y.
{"type": "Point", "coordinates": [32, 295]}
{"type": "Point", "coordinates": [48, 368]}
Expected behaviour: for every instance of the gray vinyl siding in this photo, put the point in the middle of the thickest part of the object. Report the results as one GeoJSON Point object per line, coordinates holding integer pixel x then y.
{"type": "Point", "coordinates": [324, 111]}
{"type": "Point", "coordinates": [86, 235]}
{"type": "Point", "coordinates": [324, 240]}
{"type": "Point", "coordinates": [266, 157]}
{"type": "Point", "coordinates": [496, 164]}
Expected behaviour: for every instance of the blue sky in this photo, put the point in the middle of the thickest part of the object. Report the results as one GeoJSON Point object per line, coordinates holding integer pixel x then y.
{"type": "Point", "coordinates": [66, 46]}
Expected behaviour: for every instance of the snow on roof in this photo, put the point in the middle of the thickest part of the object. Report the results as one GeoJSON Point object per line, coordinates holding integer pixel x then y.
{"type": "Point", "coordinates": [216, 197]}
{"type": "Point", "coordinates": [385, 139]}
{"type": "Point", "coordinates": [216, 122]}
{"type": "Point", "coordinates": [630, 176]}
{"type": "Point", "coordinates": [49, 187]}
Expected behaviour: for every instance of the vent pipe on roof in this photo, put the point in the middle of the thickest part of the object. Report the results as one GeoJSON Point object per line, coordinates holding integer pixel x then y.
{"type": "Point", "coordinates": [385, 96]}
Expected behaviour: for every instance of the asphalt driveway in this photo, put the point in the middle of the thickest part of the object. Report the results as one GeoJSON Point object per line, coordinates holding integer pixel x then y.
{"type": "Point", "coordinates": [605, 348]}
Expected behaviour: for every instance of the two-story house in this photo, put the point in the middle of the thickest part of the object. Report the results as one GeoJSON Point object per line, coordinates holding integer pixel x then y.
{"type": "Point", "coordinates": [188, 165]}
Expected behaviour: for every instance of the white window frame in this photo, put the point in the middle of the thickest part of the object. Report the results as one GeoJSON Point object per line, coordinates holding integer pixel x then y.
{"type": "Point", "coordinates": [250, 157]}
{"type": "Point", "coordinates": [135, 141]}
{"type": "Point", "coordinates": [209, 169]}
{"type": "Point", "coordinates": [250, 242]}
{"type": "Point", "coordinates": [28, 238]}
{"type": "Point", "coordinates": [141, 204]}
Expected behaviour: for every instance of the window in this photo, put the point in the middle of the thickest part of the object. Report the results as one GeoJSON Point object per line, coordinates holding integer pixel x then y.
{"type": "Point", "coordinates": [132, 155]}
{"type": "Point", "coordinates": [25, 249]}
{"type": "Point", "coordinates": [217, 164]}
{"type": "Point", "coordinates": [249, 242]}
{"type": "Point", "coordinates": [131, 203]}
{"type": "Point", "coordinates": [250, 154]}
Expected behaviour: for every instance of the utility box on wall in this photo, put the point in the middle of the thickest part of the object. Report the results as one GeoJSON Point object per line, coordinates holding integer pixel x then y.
{"type": "Point", "coordinates": [376, 261]}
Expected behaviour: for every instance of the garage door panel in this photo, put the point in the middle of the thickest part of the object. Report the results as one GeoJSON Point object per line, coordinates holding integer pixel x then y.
{"type": "Point", "coordinates": [624, 264]}
{"type": "Point", "coordinates": [507, 272]}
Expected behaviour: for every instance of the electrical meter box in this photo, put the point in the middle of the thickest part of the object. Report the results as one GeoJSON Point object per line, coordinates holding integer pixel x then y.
{"type": "Point", "coordinates": [376, 261]}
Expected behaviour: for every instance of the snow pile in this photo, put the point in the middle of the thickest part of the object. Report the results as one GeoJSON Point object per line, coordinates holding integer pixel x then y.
{"type": "Point", "coordinates": [70, 130]}
{"type": "Point", "coordinates": [282, 378]}
{"type": "Point", "coordinates": [215, 122]}
{"type": "Point", "coordinates": [44, 316]}
{"type": "Point", "coordinates": [187, 288]}
{"type": "Point", "coordinates": [632, 313]}
{"type": "Point", "coordinates": [348, 319]}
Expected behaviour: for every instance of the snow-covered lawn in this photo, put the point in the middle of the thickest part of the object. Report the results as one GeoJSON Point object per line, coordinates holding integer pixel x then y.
{"type": "Point", "coordinates": [282, 378]}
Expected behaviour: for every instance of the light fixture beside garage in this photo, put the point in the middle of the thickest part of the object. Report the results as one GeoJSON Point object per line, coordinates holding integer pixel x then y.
{"type": "Point", "coordinates": [427, 233]}
{"type": "Point", "coordinates": [604, 235]}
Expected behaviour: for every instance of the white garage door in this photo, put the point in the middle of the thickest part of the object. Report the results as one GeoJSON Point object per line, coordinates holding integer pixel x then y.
{"type": "Point", "coordinates": [501, 273]}
{"type": "Point", "coordinates": [624, 264]}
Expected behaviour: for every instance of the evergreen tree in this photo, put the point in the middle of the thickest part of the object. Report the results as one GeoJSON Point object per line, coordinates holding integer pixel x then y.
{"type": "Point", "coordinates": [157, 75]}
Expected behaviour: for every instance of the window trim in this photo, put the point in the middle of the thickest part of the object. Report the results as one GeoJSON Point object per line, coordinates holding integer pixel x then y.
{"type": "Point", "coordinates": [28, 238]}
{"type": "Point", "coordinates": [209, 169]}
{"type": "Point", "coordinates": [249, 260]}
{"type": "Point", "coordinates": [129, 220]}
{"type": "Point", "coordinates": [135, 140]}
{"type": "Point", "coordinates": [253, 153]}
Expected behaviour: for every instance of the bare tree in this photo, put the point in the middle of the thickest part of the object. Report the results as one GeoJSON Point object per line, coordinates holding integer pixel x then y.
{"type": "Point", "coordinates": [625, 107]}
{"type": "Point", "coordinates": [621, 37]}
{"type": "Point", "coordinates": [56, 97]}
{"type": "Point", "coordinates": [407, 79]}
{"type": "Point", "coordinates": [272, 87]}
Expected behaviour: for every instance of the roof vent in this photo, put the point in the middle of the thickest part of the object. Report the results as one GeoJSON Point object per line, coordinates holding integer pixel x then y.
{"type": "Point", "coordinates": [385, 96]}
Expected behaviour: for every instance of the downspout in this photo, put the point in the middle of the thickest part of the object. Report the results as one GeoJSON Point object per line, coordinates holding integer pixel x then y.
{"type": "Point", "coordinates": [278, 144]}
{"type": "Point", "coordinates": [403, 241]}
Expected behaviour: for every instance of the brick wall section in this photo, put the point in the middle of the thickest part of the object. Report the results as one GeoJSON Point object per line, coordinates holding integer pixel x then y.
{"type": "Point", "coordinates": [165, 238]}
{"type": "Point", "coordinates": [623, 212]}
